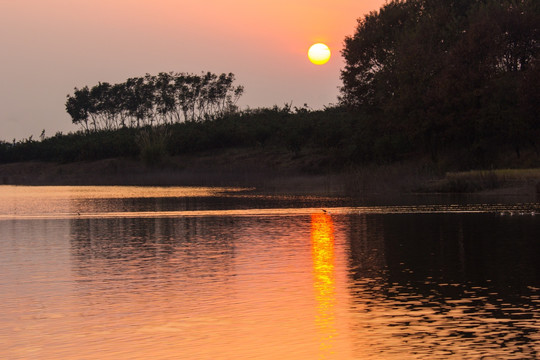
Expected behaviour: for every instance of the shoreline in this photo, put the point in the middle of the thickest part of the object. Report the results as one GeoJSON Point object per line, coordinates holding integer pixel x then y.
{"type": "Point", "coordinates": [273, 173]}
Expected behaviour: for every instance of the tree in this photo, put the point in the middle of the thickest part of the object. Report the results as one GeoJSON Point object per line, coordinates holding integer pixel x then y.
{"type": "Point", "coordinates": [154, 100]}
{"type": "Point", "coordinates": [446, 72]}
{"type": "Point", "coordinates": [371, 54]}
{"type": "Point", "coordinates": [79, 106]}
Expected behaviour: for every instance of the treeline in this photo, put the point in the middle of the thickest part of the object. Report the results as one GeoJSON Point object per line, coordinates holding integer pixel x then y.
{"type": "Point", "coordinates": [153, 100]}
{"type": "Point", "coordinates": [331, 139]}
{"type": "Point", "coordinates": [441, 76]}
{"type": "Point", "coordinates": [327, 133]}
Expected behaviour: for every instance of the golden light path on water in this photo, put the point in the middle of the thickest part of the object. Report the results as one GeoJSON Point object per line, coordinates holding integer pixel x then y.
{"type": "Point", "coordinates": [322, 249]}
{"type": "Point", "coordinates": [67, 202]}
{"type": "Point", "coordinates": [111, 192]}
{"type": "Point", "coordinates": [503, 210]}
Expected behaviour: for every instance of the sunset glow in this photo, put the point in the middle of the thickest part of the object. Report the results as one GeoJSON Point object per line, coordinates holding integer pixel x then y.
{"type": "Point", "coordinates": [56, 45]}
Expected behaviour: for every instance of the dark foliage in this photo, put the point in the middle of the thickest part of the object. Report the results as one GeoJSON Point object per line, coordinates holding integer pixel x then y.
{"type": "Point", "coordinates": [79, 146]}
{"type": "Point", "coordinates": [153, 100]}
{"type": "Point", "coordinates": [448, 74]}
{"type": "Point", "coordinates": [340, 136]}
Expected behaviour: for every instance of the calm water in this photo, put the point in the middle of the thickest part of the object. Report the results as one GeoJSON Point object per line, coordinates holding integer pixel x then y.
{"type": "Point", "coordinates": [194, 273]}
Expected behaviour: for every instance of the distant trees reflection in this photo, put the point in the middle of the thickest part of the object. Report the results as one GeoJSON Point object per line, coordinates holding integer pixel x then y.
{"type": "Point", "coordinates": [409, 249]}
{"type": "Point", "coordinates": [464, 284]}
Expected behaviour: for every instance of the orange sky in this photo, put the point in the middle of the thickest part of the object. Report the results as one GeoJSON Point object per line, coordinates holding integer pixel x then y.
{"type": "Point", "coordinates": [50, 47]}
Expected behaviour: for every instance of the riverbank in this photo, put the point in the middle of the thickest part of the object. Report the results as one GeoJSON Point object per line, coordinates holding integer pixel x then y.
{"type": "Point", "coordinates": [273, 171]}
{"type": "Point", "coordinates": [496, 181]}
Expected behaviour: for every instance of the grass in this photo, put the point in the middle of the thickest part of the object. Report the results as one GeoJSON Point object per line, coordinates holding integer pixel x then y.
{"type": "Point", "coordinates": [483, 180]}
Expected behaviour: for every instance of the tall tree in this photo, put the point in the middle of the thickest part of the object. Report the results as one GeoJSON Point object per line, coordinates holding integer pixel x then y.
{"type": "Point", "coordinates": [446, 71]}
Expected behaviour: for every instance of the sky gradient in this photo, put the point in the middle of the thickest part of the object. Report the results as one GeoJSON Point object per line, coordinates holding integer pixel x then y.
{"type": "Point", "coordinates": [49, 47]}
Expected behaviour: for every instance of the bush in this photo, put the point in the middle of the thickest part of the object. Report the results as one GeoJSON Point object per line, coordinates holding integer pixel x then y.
{"type": "Point", "coordinates": [152, 143]}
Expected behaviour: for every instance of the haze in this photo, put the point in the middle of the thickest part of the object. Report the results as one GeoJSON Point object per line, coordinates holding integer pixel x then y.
{"type": "Point", "coordinates": [50, 47]}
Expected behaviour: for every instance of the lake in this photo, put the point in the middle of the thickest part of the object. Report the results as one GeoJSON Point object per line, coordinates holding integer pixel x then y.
{"type": "Point", "coordinates": [218, 273]}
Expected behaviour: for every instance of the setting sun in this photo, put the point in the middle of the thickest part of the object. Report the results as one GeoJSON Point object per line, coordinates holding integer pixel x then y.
{"type": "Point", "coordinates": [319, 54]}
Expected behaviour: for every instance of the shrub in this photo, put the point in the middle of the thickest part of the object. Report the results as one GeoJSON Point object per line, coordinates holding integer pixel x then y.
{"type": "Point", "coordinates": [152, 142]}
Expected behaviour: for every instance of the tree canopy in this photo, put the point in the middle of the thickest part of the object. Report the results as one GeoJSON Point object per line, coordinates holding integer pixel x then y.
{"type": "Point", "coordinates": [448, 72]}
{"type": "Point", "coordinates": [153, 100]}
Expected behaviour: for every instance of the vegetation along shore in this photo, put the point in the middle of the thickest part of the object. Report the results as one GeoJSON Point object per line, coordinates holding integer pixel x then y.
{"type": "Point", "coordinates": [436, 96]}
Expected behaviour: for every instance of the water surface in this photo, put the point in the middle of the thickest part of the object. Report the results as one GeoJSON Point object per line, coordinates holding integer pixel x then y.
{"type": "Point", "coordinates": [207, 273]}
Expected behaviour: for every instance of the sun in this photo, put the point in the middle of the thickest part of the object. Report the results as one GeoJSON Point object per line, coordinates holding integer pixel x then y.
{"type": "Point", "coordinates": [319, 54]}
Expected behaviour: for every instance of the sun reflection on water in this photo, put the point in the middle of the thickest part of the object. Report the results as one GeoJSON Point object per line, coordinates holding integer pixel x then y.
{"type": "Point", "coordinates": [322, 250]}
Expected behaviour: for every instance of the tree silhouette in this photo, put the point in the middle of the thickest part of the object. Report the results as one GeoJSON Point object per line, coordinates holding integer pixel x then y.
{"type": "Point", "coordinates": [154, 100]}
{"type": "Point", "coordinates": [447, 72]}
